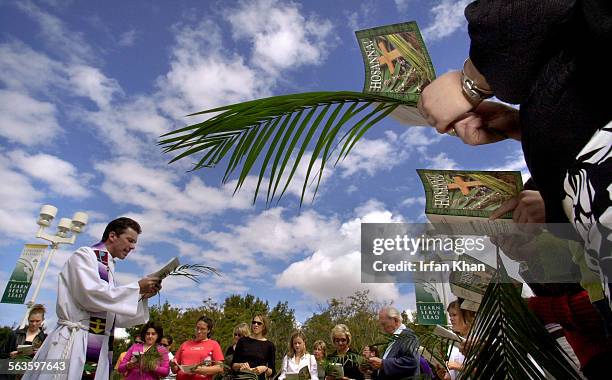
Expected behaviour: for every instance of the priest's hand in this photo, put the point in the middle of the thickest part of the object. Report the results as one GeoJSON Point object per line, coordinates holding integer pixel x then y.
{"type": "Point", "coordinates": [149, 286]}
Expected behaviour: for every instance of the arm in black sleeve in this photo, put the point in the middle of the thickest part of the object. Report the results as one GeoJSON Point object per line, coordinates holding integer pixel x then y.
{"type": "Point", "coordinates": [239, 353]}
{"type": "Point", "coordinates": [272, 359]}
{"type": "Point", "coordinates": [511, 40]}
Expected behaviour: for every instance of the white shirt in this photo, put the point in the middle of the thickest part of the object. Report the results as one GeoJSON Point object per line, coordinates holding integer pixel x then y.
{"type": "Point", "coordinates": [81, 292]}
{"type": "Point", "coordinates": [291, 366]}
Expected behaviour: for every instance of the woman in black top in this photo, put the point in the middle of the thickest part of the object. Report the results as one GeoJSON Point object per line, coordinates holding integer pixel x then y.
{"type": "Point", "coordinates": [255, 353]}
{"type": "Point", "coordinates": [341, 337]}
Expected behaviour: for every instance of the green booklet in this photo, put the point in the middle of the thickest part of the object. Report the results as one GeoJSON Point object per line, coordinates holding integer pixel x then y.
{"type": "Point", "coordinates": [471, 286]}
{"type": "Point", "coordinates": [469, 196]}
{"type": "Point", "coordinates": [397, 65]}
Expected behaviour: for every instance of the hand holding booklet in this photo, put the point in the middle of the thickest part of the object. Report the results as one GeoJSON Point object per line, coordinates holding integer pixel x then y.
{"type": "Point", "coordinates": [164, 271]}
{"type": "Point", "coordinates": [25, 349]}
{"type": "Point", "coordinates": [448, 334]}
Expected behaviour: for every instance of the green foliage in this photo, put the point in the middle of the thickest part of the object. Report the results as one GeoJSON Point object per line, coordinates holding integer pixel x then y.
{"type": "Point", "coordinates": [278, 130]}
{"type": "Point", "coordinates": [5, 332]}
{"type": "Point", "coordinates": [357, 311]}
{"type": "Point", "coordinates": [504, 331]}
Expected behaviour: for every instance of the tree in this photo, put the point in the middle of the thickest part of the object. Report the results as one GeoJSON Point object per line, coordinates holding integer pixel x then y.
{"type": "Point", "coordinates": [357, 311]}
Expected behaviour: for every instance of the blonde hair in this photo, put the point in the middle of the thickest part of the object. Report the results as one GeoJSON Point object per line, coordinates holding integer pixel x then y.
{"type": "Point", "coordinates": [467, 315]}
{"type": "Point", "coordinates": [296, 334]}
{"type": "Point", "coordinates": [37, 309]}
{"type": "Point", "coordinates": [341, 329]}
{"type": "Point", "coordinates": [320, 344]}
{"type": "Point", "coordinates": [242, 329]}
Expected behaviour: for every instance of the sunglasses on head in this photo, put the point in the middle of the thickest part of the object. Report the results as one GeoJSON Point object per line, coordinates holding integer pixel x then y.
{"type": "Point", "coordinates": [258, 323]}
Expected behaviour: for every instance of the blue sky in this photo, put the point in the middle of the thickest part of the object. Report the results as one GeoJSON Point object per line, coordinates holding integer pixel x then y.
{"type": "Point", "coordinates": [87, 87]}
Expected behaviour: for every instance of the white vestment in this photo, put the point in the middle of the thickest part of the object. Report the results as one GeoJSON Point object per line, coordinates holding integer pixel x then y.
{"type": "Point", "coordinates": [80, 292]}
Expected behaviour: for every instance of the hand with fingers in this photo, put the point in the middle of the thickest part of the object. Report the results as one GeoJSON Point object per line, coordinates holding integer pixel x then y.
{"type": "Point", "coordinates": [149, 286]}
{"type": "Point", "coordinates": [527, 207]}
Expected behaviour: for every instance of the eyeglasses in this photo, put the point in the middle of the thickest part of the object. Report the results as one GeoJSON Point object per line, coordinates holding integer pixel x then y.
{"type": "Point", "coordinates": [340, 340]}
{"type": "Point", "coordinates": [258, 323]}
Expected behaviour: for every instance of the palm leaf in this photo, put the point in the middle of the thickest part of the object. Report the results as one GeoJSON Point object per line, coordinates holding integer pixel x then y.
{"type": "Point", "coordinates": [193, 271]}
{"type": "Point", "coordinates": [275, 131]}
{"type": "Point", "coordinates": [505, 330]}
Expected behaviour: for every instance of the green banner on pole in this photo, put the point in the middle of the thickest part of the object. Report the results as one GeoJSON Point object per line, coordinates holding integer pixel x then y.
{"type": "Point", "coordinates": [19, 284]}
{"type": "Point", "coordinates": [430, 309]}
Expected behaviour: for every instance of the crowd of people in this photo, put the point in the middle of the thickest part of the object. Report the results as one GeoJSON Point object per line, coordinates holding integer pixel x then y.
{"type": "Point", "coordinates": [201, 358]}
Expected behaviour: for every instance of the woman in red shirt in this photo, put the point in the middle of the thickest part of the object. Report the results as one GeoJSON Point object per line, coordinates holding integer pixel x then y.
{"type": "Point", "coordinates": [202, 352]}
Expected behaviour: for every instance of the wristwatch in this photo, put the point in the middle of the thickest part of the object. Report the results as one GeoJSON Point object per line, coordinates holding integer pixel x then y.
{"type": "Point", "coordinates": [474, 93]}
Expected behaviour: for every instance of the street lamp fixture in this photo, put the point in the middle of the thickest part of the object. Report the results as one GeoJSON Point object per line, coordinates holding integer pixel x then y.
{"type": "Point", "coordinates": [67, 231]}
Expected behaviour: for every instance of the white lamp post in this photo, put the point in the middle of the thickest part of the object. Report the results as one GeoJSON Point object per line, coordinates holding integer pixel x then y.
{"type": "Point", "coordinates": [67, 231]}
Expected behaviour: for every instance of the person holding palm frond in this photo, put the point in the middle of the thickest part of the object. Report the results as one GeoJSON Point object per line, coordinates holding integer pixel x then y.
{"type": "Point", "coordinates": [461, 321]}
{"type": "Point", "coordinates": [341, 337]}
{"type": "Point", "coordinates": [147, 360]}
{"type": "Point", "coordinates": [401, 358]}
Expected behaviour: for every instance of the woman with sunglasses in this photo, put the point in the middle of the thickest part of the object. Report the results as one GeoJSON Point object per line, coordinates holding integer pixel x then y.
{"type": "Point", "coordinates": [255, 353]}
{"type": "Point", "coordinates": [201, 351]}
{"type": "Point", "coordinates": [341, 338]}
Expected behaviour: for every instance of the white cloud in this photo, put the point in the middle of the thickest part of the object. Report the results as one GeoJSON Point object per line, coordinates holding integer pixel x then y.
{"type": "Point", "coordinates": [202, 75]}
{"type": "Point", "coordinates": [26, 70]}
{"type": "Point", "coordinates": [62, 177]}
{"type": "Point", "coordinates": [448, 18]}
{"type": "Point", "coordinates": [411, 201]}
{"type": "Point", "coordinates": [419, 136]}
{"type": "Point", "coordinates": [402, 5]}
{"type": "Point", "coordinates": [127, 38]}
{"type": "Point", "coordinates": [26, 120]}
{"type": "Point", "coordinates": [89, 82]}
{"type": "Point", "coordinates": [361, 18]}
{"type": "Point", "coordinates": [156, 189]}
{"type": "Point", "coordinates": [65, 43]}
{"type": "Point", "coordinates": [283, 238]}
{"type": "Point", "coordinates": [334, 269]}
{"type": "Point", "coordinates": [372, 156]}
{"type": "Point", "coordinates": [282, 37]}
{"type": "Point", "coordinates": [439, 161]}
{"type": "Point", "coordinates": [20, 203]}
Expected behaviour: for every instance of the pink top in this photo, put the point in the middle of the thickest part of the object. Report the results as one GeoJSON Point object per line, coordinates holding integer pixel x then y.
{"type": "Point", "coordinates": [162, 370]}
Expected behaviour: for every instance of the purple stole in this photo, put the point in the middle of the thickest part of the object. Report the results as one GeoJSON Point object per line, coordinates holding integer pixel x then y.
{"type": "Point", "coordinates": [97, 323]}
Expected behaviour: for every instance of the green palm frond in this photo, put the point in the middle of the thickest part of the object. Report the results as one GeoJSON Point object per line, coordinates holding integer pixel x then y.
{"type": "Point", "coordinates": [504, 331]}
{"type": "Point", "coordinates": [276, 130]}
{"type": "Point", "coordinates": [245, 375]}
{"type": "Point", "coordinates": [187, 270]}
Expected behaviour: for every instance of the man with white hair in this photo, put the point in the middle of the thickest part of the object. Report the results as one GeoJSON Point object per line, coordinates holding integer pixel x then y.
{"type": "Point", "coordinates": [401, 358]}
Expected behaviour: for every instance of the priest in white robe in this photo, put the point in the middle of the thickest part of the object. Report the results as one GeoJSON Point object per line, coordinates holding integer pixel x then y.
{"type": "Point", "coordinates": [89, 306]}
